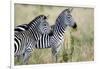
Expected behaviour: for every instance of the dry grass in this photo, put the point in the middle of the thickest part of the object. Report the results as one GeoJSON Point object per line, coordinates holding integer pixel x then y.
{"type": "Point", "coordinates": [78, 45]}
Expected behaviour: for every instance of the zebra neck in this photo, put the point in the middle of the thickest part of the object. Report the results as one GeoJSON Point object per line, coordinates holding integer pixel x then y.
{"type": "Point", "coordinates": [59, 31]}
{"type": "Point", "coordinates": [33, 31]}
{"type": "Point", "coordinates": [33, 26]}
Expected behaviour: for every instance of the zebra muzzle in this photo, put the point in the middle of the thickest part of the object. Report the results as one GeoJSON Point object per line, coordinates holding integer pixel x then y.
{"type": "Point", "coordinates": [74, 26]}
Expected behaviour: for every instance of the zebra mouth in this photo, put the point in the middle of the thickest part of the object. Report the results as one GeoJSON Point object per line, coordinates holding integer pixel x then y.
{"type": "Point", "coordinates": [74, 26]}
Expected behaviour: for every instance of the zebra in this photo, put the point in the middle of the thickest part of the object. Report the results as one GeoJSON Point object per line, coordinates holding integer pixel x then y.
{"type": "Point", "coordinates": [63, 20]}
{"type": "Point", "coordinates": [26, 40]}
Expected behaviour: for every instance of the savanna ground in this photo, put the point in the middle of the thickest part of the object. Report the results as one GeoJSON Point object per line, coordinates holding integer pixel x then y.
{"type": "Point", "coordinates": [78, 44]}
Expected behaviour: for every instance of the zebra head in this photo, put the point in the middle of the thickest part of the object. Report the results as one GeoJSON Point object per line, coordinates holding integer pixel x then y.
{"type": "Point", "coordinates": [44, 27]}
{"type": "Point", "coordinates": [68, 19]}
{"type": "Point", "coordinates": [40, 24]}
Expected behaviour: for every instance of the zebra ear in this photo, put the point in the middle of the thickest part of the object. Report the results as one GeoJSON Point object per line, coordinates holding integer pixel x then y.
{"type": "Point", "coordinates": [47, 16]}
{"type": "Point", "coordinates": [70, 9]}
{"type": "Point", "coordinates": [67, 9]}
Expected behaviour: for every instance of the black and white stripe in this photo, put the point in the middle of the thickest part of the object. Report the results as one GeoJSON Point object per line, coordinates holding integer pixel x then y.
{"type": "Point", "coordinates": [43, 42]}
{"type": "Point", "coordinates": [20, 28]}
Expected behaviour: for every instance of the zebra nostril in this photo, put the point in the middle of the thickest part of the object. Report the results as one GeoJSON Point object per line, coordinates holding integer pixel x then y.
{"type": "Point", "coordinates": [75, 25]}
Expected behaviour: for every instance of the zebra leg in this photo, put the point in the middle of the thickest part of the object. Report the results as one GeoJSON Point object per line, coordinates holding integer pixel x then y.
{"type": "Point", "coordinates": [26, 56]}
{"type": "Point", "coordinates": [54, 58]}
{"type": "Point", "coordinates": [54, 55]}
{"type": "Point", "coordinates": [55, 52]}
{"type": "Point", "coordinates": [18, 58]}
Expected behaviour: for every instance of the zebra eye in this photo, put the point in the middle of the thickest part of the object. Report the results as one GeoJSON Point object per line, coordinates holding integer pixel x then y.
{"type": "Point", "coordinates": [68, 17]}
{"type": "Point", "coordinates": [44, 24]}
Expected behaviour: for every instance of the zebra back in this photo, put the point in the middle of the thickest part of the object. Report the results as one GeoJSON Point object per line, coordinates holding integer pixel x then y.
{"type": "Point", "coordinates": [20, 28]}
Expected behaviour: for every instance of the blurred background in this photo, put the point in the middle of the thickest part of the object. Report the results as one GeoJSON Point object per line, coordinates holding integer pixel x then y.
{"type": "Point", "coordinates": [78, 45]}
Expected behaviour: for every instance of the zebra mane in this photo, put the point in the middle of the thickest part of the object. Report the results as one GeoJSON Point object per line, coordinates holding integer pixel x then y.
{"type": "Point", "coordinates": [68, 10]}
{"type": "Point", "coordinates": [33, 22]}
{"type": "Point", "coordinates": [52, 29]}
